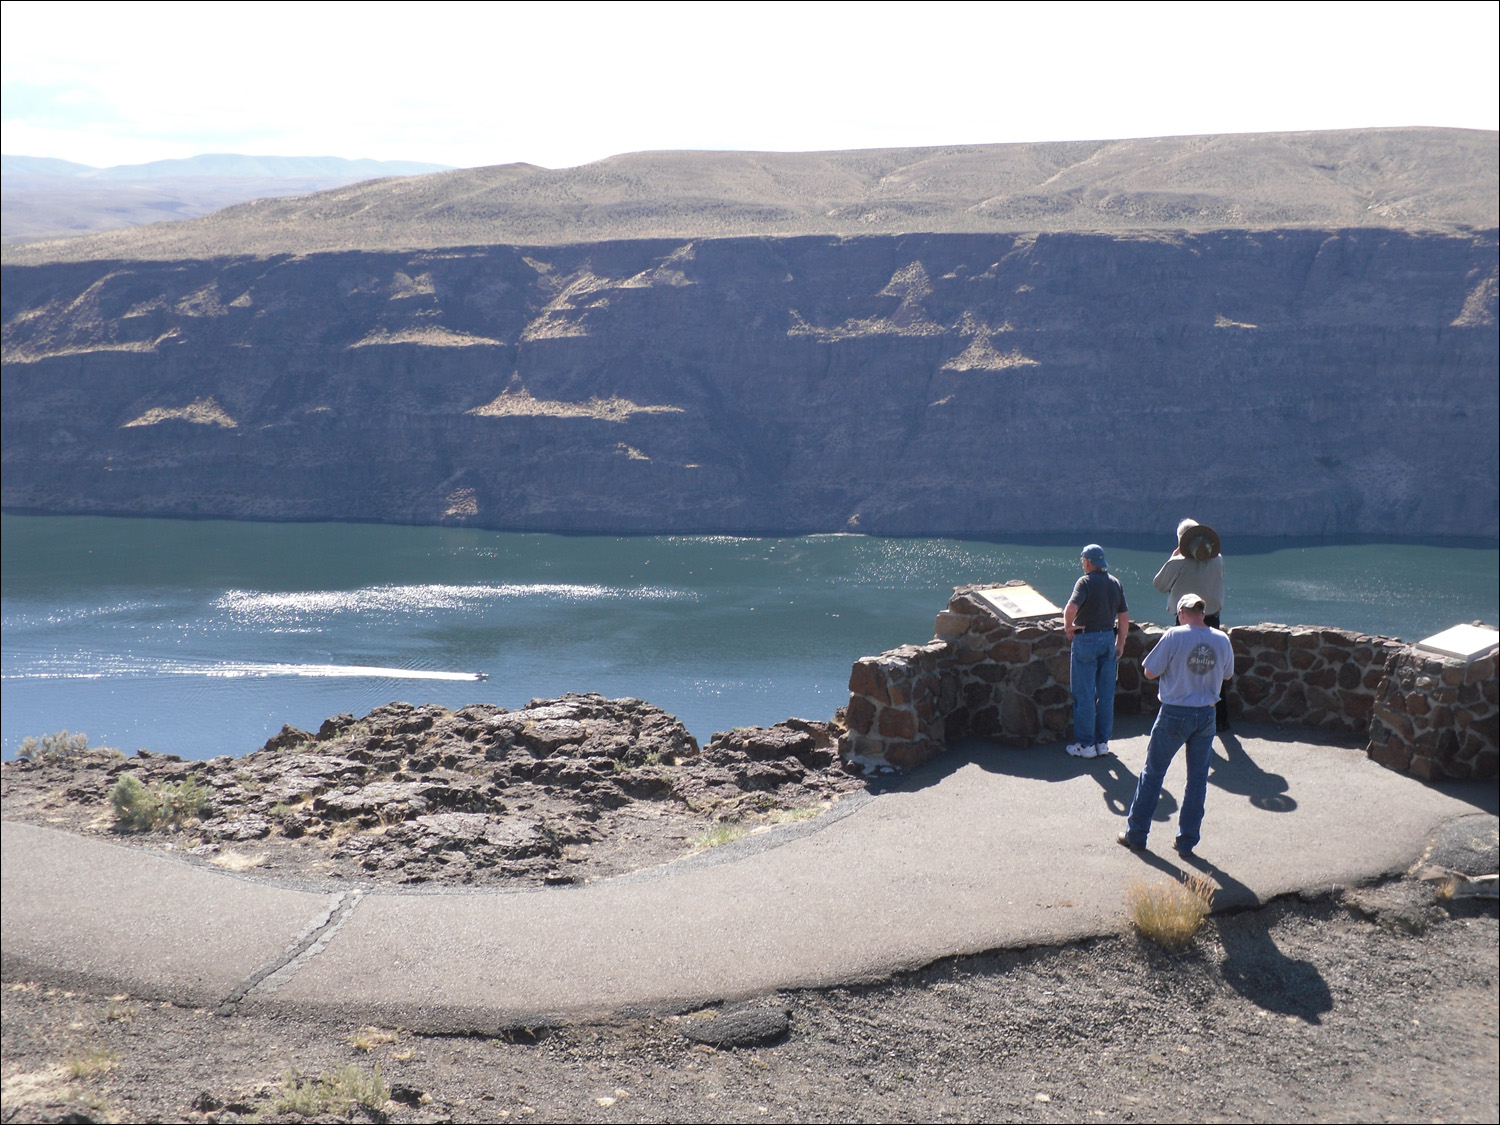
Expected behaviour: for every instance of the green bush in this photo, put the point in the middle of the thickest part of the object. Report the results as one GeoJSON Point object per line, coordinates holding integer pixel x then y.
{"type": "Point", "coordinates": [162, 804]}
{"type": "Point", "coordinates": [336, 1093]}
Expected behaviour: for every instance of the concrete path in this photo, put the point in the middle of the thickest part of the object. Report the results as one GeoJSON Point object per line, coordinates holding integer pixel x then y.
{"type": "Point", "coordinates": [986, 848]}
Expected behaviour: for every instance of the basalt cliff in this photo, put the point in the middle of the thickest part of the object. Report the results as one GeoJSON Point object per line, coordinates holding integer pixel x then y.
{"type": "Point", "coordinates": [1308, 368]}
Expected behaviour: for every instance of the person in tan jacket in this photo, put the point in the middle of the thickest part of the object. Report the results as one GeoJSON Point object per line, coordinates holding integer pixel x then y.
{"type": "Point", "coordinates": [1196, 567]}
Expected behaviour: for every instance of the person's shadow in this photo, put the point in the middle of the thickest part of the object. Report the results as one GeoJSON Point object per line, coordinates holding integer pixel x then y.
{"type": "Point", "coordinates": [1253, 965]}
{"type": "Point", "coordinates": [1261, 973]}
{"type": "Point", "coordinates": [1233, 772]}
{"type": "Point", "coordinates": [1119, 786]}
{"type": "Point", "coordinates": [1237, 772]}
{"type": "Point", "coordinates": [1042, 763]}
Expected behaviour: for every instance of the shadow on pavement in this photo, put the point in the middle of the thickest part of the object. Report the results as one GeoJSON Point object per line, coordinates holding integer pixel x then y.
{"type": "Point", "coordinates": [1277, 732]}
{"type": "Point", "coordinates": [1231, 894]}
{"type": "Point", "coordinates": [1483, 795]}
{"type": "Point", "coordinates": [1232, 771]}
{"type": "Point", "coordinates": [1237, 772]}
{"type": "Point", "coordinates": [1037, 763]}
{"type": "Point", "coordinates": [1253, 965]}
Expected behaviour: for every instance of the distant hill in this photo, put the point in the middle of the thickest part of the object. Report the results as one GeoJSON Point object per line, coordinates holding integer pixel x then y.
{"type": "Point", "coordinates": [41, 166]}
{"type": "Point", "coordinates": [46, 198]}
{"type": "Point", "coordinates": [1405, 179]}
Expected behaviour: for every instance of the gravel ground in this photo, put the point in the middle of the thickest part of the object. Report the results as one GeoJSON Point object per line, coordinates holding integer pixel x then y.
{"type": "Point", "coordinates": [1373, 1005]}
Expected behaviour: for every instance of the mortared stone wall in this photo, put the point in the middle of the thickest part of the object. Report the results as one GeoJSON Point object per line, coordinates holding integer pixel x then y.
{"type": "Point", "coordinates": [985, 675]}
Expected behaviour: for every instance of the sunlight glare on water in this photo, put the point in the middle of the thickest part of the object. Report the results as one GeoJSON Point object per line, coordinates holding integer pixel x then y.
{"type": "Point", "coordinates": [202, 638]}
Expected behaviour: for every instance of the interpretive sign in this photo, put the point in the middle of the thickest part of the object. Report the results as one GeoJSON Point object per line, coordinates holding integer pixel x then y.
{"type": "Point", "coordinates": [1463, 642]}
{"type": "Point", "coordinates": [1018, 602]}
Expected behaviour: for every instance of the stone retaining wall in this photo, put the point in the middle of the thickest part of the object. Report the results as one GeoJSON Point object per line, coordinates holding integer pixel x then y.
{"type": "Point", "coordinates": [981, 674]}
{"type": "Point", "coordinates": [984, 674]}
{"type": "Point", "coordinates": [1437, 718]}
{"type": "Point", "coordinates": [1326, 679]}
{"type": "Point", "coordinates": [901, 704]}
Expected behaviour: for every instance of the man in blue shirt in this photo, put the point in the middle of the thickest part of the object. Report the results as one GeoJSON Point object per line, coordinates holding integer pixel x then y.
{"type": "Point", "coordinates": [1192, 661]}
{"type": "Point", "coordinates": [1097, 623]}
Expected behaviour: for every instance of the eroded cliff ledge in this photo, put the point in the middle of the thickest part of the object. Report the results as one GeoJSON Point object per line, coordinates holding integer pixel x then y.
{"type": "Point", "coordinates": [1271, 382]}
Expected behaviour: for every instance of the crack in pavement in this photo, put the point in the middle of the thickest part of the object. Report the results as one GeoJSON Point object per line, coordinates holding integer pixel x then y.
{"type": "Point", "coordinates": [313, 939]}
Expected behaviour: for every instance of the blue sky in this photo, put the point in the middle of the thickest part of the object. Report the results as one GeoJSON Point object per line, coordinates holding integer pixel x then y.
{"type": "Point", "coordinates": [564, 84]}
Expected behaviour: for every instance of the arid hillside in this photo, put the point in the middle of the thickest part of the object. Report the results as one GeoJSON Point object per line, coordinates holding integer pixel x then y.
{"type": "Point", "coordinates": [44, 198]}
{"type": "Point", "coordinates": [1404, 179]}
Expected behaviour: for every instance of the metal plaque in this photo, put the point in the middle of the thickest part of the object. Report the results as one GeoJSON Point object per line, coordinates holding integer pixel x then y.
{"type": "Point", "coordinates": [1018, 602]}
{"type": "Point", "coordinates": [1462, 642]}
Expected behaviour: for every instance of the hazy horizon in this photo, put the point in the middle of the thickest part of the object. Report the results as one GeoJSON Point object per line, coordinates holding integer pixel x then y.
{"type": "Point", "coordinates": [105, 86]}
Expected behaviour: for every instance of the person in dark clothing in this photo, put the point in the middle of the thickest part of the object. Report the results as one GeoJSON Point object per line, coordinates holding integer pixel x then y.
{"type": "Point", "coordinates": [1097, 622]}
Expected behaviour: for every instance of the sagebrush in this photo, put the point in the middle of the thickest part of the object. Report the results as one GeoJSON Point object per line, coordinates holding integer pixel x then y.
{"type": "Point", "coordinates": [162, 804]}
{"type": "Point", "coordinates": [56, 747]}
{"type": "Point", "coordinates": [336, 1093]}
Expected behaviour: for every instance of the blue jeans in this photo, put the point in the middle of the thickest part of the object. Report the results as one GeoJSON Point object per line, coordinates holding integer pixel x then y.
{"type": "Point", "coordinates": [1093, 668]}
{"type": "Point", "coordinates": [1175, 725]}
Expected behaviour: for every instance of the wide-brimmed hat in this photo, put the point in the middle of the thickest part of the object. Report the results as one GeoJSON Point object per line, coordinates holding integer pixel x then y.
{"type": "Point", "coordinates": [1198, 541]}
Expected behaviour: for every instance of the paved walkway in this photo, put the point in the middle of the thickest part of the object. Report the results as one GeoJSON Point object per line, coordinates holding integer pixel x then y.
{"type": "Point", "coordinates": [985, 848]}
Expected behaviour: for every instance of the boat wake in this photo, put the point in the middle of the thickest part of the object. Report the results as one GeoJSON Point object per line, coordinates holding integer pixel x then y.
{"type": "Point", "coordinates": [84, 669]}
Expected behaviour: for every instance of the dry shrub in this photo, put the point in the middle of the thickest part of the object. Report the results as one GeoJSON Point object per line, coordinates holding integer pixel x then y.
{"type": "Point", "coordinates": [1170, 913]}
{"type": "Point", "coordinates": [368, 1038]}
{"type": "Point", "coordinates": [89, 1062]}
{"type": "Point", "coordinates": [58, 747]}
{"type": "Point", "coordinates": [238, 861]}
{"type": "Point", "coordinates": [337, 1093]}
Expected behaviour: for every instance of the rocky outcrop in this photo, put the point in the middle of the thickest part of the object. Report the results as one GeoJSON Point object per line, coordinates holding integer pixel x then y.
{"type": "Point", "coordinates": [557, 792]}
{"type": "Point", "coordinates": [1305, 382]}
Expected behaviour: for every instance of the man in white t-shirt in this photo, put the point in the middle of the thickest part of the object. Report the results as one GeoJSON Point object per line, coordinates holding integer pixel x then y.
{"type": "Point", "coordinates": [1192, 662]}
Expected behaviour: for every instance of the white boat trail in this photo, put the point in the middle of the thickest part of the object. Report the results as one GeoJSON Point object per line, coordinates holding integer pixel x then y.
{"type": "Point", "coordinates": [232, 670]}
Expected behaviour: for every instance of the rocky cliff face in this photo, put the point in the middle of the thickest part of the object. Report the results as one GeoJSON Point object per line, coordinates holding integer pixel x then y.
{"type": "Point", "coordinates": [1271, 382]}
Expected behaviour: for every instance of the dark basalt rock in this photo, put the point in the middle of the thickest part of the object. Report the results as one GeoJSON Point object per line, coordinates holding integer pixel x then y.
{"type": "Point", "coordinates": [738, 1027]}
{"type": "Point", "coordinates": [420, 794]}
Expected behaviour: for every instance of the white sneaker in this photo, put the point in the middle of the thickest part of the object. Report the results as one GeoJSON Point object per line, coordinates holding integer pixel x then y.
{"type": "Point", "coordinates": [1101, 749]}
{"type": "Point", "coordinates": [1079, 750]}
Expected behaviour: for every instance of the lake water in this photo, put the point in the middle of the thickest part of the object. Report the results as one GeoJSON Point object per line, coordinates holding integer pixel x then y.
{"type": "Point", "coordinates": [203, 638]}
